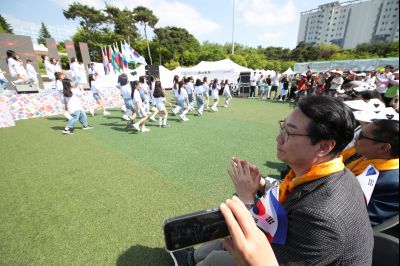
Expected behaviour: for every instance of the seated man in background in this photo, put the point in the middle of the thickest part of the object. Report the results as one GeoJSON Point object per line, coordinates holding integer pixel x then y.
{"type": "Point", "coordinates": [328, 223]}
{"type": "Point", "coordinates": [378, 145]}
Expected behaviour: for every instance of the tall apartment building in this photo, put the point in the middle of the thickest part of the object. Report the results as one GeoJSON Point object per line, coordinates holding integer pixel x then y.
{"type": "Point", "coordinates": [348, 24]}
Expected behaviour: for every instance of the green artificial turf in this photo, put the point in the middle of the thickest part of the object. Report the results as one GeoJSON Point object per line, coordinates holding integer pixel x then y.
{"type": "Point", "coordinates": [100, 197]}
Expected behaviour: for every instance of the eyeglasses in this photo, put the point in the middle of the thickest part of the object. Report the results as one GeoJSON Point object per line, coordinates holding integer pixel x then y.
{"type": "Point", "coordinates": [362, 136]}
{"type": "Point", "coordinates": [286, 134]}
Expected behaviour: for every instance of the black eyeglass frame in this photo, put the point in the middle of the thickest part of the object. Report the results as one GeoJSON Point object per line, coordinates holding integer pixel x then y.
{"type": "Point", "coordinates": [362, 136]}
{"type": "Point", "coordinates": [287, 133]}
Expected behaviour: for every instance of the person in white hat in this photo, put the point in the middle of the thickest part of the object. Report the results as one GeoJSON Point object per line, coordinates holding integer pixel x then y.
{"type": "Point", "coordinates": [361, 76]}
{"type": "Point", "coordinates": [336, 83]}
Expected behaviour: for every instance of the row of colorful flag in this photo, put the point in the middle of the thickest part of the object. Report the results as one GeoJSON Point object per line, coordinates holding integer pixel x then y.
{"type": "Point", "coordinates": [119, 59]}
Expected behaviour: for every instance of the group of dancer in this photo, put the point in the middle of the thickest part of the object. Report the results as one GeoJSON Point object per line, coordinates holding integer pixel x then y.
{"type": "Point", "coordinates": [144, 99]}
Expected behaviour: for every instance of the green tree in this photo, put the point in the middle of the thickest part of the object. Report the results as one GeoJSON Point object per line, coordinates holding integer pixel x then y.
{"type": "Point", "coordinates": [238, 59]}
{"type": "Point", "coordinates": [255, 61]}
{"type": "Point", "coordinates": [61, 47]}
{"type": "Point", "coordinates": [43, 34]}
{"type": "Point", "coordinates": [211, 52]}
{"type": "Point", "coordinates": [4, 26]}
{"type": "Point", "coordinates": [146, 18]}
{"type": "Point", "coordinates": [328, 50]}
{"type": "Point", "coordinates": [123, 22]}
{"type": "Point", "coordinates": [176, 40]}
{"type": "Point", "coordinates": [90, 18]}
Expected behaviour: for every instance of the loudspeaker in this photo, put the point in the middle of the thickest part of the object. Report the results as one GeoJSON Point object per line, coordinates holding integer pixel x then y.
{"type": "Point", "coordinates": [152, 70]}
{"type": "Point", "coordinates": [245, 77]}
{"type": "Point", "coordinates": [26, 88]}
{"type": "Point", "coordinates": [244, 89]}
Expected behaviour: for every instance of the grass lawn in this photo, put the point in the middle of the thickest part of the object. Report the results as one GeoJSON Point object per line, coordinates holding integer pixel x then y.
{"type": "Point", "coordinates": [100, 197]}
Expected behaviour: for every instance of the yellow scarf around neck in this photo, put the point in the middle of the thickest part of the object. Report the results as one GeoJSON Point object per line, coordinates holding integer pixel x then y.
{"type": "Point", "coordinates": [316, 172]}
{"type": "Point", "coordinates": [358, 166]}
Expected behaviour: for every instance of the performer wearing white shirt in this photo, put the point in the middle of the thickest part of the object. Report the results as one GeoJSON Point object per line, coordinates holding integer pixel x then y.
{"type": "Point", "coordinates": [139, 108]}
{"type": "Point", "coordinates": [183, 101]}
{"type": "Point", "coordinates": [32, 74]}
{"type": "Point", "coordinates": [76, 70]}
{"type": "Point", "coordinates": [94, 87]}
{"type": "Point", "coordinates": [49, 67]}
{"type": "Point", "coordinates": [215, 94]}
{"type": "Point", "coordinates": [16, 70]}
{"type": "Point", "coordinates": [199, 91]}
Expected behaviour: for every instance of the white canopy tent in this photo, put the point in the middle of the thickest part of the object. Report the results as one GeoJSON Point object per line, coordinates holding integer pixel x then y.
{"type": "Point", "coordinates": [223, 69]}
{"type": "Point", "coordinates": [288, 72]}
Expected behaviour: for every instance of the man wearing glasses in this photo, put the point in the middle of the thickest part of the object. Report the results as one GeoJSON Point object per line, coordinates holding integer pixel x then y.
{"type": "Point", "coordinates": [378, 145]}
{"type": "Point", "coordinates": [328, 223]}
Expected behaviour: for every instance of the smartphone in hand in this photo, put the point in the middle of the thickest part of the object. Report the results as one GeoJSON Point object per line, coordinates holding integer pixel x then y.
{"type": "Point", "coordinates": [194, 228]}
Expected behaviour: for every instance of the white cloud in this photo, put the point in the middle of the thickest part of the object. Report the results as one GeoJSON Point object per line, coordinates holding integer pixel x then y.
{"type": "Point", "coordinates": [16, 22]}
{"type": "Point", "coordinates": [170, 13]}
{"type": "Point", "coordinates": [65, 3]}
{"type": "Point", "coordinates": [266, 12]}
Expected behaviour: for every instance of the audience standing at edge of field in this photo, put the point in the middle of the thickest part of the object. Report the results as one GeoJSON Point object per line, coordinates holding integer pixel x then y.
{"type": "Point", "coordinates": [253, 84]}
{"type": "Point", "coordinates": [275, 84]}
{"type": "Point", "coordinates": [321, 197]}
{"type": "Point", "coordinates": [74, 107]}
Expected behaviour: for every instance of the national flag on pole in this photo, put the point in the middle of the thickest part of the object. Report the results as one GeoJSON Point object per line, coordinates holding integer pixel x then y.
{"type": "Point", "coordinates": [271, 217]}
{"type": "Point", "coordinates": [131, 55]}
{"type": "Point", "coordinates": [113, 59]}
{"type": "Point", "coordinates": [123, 55]}
{"type": "Point", "coordinates": [106, 63]}
{"type": "Point", "coordinates": [118, 57]}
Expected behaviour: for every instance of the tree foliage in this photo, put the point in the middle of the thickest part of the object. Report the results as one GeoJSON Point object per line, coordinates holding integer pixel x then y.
{"type": "Point", "coordinates": [123, 22]}
{"type": "Point", "coordinates": [43, 34]}
{"type": "Point", "coordinates": [145, 17]}
{"type": "Point", "coordinates": [89, 18]}
{"type": "Point", "coordinates": [4, 26]}
{"type": "Point", "coordinates": [177, 41]}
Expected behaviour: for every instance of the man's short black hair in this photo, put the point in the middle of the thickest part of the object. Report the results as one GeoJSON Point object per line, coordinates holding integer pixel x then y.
{"type": "Point", "coordinates": [330, 118]}
{"type": "Point", "coordinates": [387, 131]}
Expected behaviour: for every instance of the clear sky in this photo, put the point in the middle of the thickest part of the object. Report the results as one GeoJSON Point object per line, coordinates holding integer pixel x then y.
{"type": "Point", "coordinates": [257, 22]}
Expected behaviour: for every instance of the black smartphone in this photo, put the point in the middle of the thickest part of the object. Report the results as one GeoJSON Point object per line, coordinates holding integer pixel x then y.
{"type": "Point", "coordinates": [194, 228]}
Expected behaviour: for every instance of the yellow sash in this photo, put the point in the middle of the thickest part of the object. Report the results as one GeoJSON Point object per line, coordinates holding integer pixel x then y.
{"type": "Point", "coordinates": [358, 166]}
{"type": "Point", "coordinates": [316, 172]}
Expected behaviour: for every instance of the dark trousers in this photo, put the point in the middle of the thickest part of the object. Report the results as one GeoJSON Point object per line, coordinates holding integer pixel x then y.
{"type": "Point", "coordinates": [252, 91]}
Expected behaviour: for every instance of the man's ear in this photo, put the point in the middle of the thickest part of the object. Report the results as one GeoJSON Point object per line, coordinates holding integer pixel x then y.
{"type": "Point", "coordinates": [325, 147]}
{"type": "Point", "coordinates": [385, 148]}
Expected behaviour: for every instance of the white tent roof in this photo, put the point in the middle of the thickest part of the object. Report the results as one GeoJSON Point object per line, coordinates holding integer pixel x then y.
{"type": "Point", "coordinates": [222, 65]}
{"type": "Point", "coordinates": [289, 71]}
{"type": "Point", "coordinates": [223, 69]}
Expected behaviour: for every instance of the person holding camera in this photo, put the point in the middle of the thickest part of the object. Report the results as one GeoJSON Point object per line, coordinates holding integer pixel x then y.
{"type": "Point", "coordinates": [328, 223]}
